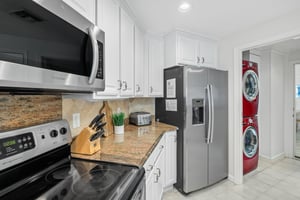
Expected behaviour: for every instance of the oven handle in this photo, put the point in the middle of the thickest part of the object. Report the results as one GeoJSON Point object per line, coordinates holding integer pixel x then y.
{"type": "Point", "coordinates": [92, 34]}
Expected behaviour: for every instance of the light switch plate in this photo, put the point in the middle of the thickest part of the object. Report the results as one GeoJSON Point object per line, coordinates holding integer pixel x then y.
{"type": "Point", "coordinates": [76, 120]}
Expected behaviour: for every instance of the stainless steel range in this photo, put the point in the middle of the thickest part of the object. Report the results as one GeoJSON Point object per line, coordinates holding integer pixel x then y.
{"type": "Point", "coordinates": [35, 163]}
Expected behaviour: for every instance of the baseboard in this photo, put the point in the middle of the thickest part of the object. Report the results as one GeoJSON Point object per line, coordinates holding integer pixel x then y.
{"type": "Point", "coordinates": [278, 156]}
{"type": "Point", "coordinates": [232, 179]}
{"type": "Point", "coordinates": [274, 158]}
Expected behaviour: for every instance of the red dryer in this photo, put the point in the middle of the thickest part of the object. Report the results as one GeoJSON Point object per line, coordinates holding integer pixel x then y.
{"type": "Point", "coordinates": [250, 143]}
{"type": "Point", "coordinates": [250, 88]}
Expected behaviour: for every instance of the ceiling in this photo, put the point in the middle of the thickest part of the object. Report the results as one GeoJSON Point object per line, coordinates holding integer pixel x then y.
{"type": "Point", "coordinates": [288, 46]}
{"type": "Point", "coordinates": [214, 18]}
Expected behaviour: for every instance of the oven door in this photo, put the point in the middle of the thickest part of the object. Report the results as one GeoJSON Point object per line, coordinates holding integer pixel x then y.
{"type": "Point", "coordinates": [140, 191]}
{"type": "Point", "coordinates": [45, 44]}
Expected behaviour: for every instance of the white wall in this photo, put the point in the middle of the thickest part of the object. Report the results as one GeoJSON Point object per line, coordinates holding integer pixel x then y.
{"type": "Point", "coordinates": [289, 126]}
{"type": "Point", "coordinates": [277, 104]}
{"type": "Point", "coordinates": [264, 100]}
{"type": "Point", "coordinates": [271, 103]}
{"type": "Point", "coordinates": [264, 34]}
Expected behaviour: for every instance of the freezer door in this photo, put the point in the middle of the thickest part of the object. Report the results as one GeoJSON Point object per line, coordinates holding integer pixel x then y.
{"type": "Point", "coordinates": [218, 147]}
{"type": "Point", "coordinates": [195, 130]}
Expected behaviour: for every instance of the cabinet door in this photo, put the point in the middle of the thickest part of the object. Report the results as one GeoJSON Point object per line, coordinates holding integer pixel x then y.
{"type": "Point", "coordinates": [110, 24]}
{"type": "Point", "coordinates": [155, 67]}
{"type": "Point", "coordinates": [187, 50]}
{"type": "Point", "coordinates": [83, 7]}
{"type": "Point", "coordinates": [139, 68]}
{"type": "Point", "coordinates": [208, 53]}
{"type": "Point", "coordinates": [159, 174]}
{"type": "Point", "coordinates": [127, 54]}
{"type": "Point", "coordinates": [171, 158]}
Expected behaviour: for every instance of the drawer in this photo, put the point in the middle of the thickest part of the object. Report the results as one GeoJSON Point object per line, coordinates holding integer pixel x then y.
{"type": "Point", "coordinates": [149, 164]}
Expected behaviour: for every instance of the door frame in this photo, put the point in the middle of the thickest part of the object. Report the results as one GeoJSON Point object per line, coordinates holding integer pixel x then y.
{"type": "Point", "coordinates": [294, 63]}
{"type": "Point", "coordinates": [237, 153]}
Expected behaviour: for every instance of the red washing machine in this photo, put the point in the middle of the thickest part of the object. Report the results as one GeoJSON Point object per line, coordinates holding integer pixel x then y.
{"type": "Point", "coordinates": [250, 143]}
{"type": "Point", "coordinates": [250, 88]}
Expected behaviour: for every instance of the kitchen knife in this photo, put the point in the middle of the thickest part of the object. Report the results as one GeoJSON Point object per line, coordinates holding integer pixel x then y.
{"type": "Point", "coordinates": [97, 124]}
{"type": "Point", "coordinates": [94, 121]}
{"type": "Point", "coordinates": [100, 126]}
{"type": "Point", "coordinates": [96, 135]}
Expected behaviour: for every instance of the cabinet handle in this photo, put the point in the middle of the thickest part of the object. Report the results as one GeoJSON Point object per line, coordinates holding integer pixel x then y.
{"type": "Point", "coordinates": [161, 147]}
{"type": "Point", "coordinates": [198, 59]}
{"type": "Point", "coordinates": [158, 172]}
{"type": "Point", "coordinates": [151, 89]}
{"type": "Point", "coordinates": [120, 84]}
{"type": "Point", "coordinates": [125, 85]}
{"type": "Point", "coordinates": [202, 60]}
{"type": "Point", "coordinates": [150, 167]}
{"type": "Point", "coordinates": [156, 178]}
{"type": "Point", "coordinates": [138, 88]}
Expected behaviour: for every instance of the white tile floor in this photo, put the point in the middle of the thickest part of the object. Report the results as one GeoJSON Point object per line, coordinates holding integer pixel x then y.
{"type": "Point", "coordinates": [271, 181]}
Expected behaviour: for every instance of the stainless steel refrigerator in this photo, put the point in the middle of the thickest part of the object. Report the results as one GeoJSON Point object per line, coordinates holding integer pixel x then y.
{"type": "Point", "coordinates": [196, 101]}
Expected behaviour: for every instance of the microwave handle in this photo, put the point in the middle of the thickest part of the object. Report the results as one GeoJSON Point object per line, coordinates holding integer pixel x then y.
{"type": "Point", "coordinates": [92, 34]}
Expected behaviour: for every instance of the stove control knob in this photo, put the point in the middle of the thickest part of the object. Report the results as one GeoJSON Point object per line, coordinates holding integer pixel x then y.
{"type": "Point", "coordinates": [63, 131]}
{"type": "Point", "coordinates": [53, 133]}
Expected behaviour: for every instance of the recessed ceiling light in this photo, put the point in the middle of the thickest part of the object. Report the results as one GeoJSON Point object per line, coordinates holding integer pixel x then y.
{"type": "Point", "coordinates": [184, 7]}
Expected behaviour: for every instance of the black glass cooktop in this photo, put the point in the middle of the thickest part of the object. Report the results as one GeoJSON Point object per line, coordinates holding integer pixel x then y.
{"type": "Point", "coordinates": [77, 179]}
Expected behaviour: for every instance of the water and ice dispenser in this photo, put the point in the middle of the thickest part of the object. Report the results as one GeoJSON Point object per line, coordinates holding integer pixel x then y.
{"type": "Point", "coordinates": [198, 111]}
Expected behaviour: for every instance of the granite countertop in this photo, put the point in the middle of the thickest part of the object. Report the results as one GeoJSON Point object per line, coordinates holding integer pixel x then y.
{"type": "Point", "coordinates": [133, 148]}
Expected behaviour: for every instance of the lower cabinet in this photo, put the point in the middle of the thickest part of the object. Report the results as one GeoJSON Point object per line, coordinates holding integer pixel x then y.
{"type": "Point", "coordinates": [158, 166]}
{"type": "Point", "coordinates": [171, 158]}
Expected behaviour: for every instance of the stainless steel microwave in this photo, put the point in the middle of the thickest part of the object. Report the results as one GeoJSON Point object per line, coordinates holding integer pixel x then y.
{"type": "Point", "coordinates": [45, 45]}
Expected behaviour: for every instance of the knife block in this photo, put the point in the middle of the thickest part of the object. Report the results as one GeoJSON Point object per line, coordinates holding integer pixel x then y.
{"type": "Point", "coordinates": [82, 144]}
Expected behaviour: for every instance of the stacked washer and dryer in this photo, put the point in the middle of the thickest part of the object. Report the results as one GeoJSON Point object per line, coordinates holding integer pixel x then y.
{"type": "Point", "coordinates": [250, 109]}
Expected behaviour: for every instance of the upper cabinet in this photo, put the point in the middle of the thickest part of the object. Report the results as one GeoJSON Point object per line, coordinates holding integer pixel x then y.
{"type": "Point", "coordinates": [109, 20]}
{"type": "Point", "coordinates": [155, 66]}
{"type": "Point", "coordinates": [127, 54]}
{"type": "Point", "coordinates": [133, 64]}
{"type": "Point", "coordinates": [139, 64]}
{"type": "Point", "coordinates": [85, 8]}
{"type": "Point", "coordinates": [188, 49]}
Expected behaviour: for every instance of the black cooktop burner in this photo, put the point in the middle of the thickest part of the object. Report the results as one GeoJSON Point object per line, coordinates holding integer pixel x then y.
{"type": "Point", "coordinates": [59, 173]}
{"type": "Point", "coordinates": [95, 181]}
{"type": "Point", "coordinates": [77, 179]}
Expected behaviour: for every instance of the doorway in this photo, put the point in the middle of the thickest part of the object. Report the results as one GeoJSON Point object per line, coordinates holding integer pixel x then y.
{"type": "Point", "coordinates": [282, 144]}
{"type": "Point", "coordinates": [297, 111]}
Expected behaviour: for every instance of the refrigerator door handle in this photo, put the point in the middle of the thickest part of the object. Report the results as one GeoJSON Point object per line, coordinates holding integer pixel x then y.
{"type": "Point", "coordinates": [212, 119]}
{"type": "Point", "coordinates": [209, 114]}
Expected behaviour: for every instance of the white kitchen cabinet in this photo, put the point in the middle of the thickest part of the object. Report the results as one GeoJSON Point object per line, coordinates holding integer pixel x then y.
{"type": "Point", "coordinates": [207, 53]}
{"type": "Point", "coordinates": [109, 21]}
{"type": "Point", "coordinates": [158, 175]}
{"type": "Point", "coordinates": [86, 8]}
{"type": "Point", "coordinates": [160, 167]}
{"type": "Point", "coordinates": [139, 67]}
{"type": "Point", "coordinates": [155, 65]}
{"type": "Point", "coordinates": [171, 158]}
{"type": "Point", "coordinates": [155, 172]}
{"type": "Point", "coordinates": [188, 49]}
{"type": "Point", "coordinates": [126, 54]}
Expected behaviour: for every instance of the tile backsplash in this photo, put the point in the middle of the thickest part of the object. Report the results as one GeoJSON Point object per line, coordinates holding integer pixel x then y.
{"type": "Point", "coordinates": [88, 110]}
{"type": "Point", "coordinates": [18, 111]}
